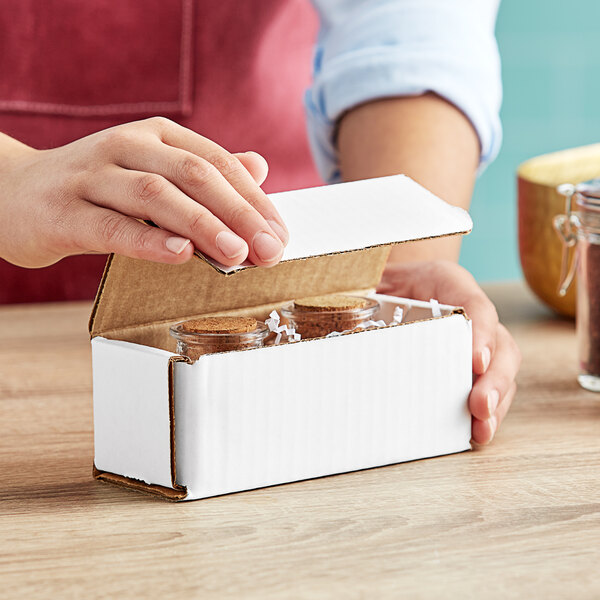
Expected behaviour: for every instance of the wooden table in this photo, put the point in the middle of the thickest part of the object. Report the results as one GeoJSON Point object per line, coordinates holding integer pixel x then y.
{"type": "Point", "coordinates": [520, 518]}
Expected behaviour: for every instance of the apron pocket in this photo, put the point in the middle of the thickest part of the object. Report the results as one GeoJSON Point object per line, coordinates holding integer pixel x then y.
{"type": "Point", "coordinates": [96, 58]}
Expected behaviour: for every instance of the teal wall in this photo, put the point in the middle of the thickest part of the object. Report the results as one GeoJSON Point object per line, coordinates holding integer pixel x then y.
{"type": "Point", "coordinates": [550, 53]}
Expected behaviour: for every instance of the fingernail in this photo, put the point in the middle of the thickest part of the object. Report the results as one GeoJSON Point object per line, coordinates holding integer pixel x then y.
{"type": "Point", "coordinates": [266, 247]}
{"type": "Point", "coordinates": [486, 356]}
{"type": "Point", "coordinates": [176, 245]}
{"type": "Point", "coordinates": [282, 234]}
{"type": "Point", "coordinates": [230, 244]}
{"type": "Point", "coordinates": [493, 422]}
{"type": "Point", "coordinates": [493, 398]}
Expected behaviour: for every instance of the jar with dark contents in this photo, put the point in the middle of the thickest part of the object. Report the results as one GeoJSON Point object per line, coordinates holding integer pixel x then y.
{"type": "Point", "coordinates": [218, 334]}
{"type": "Point", "coordinates": [319, 316]}
{"type": "Point", "coordinates": [580, 228]}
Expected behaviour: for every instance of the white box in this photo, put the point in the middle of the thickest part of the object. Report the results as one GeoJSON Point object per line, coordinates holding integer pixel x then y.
{"type": "Point", "coordinates": [240, 420]}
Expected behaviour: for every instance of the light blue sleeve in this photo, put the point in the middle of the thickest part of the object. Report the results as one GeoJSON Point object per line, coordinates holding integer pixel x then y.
{"type": "Point", "coordinates": [370, 49]}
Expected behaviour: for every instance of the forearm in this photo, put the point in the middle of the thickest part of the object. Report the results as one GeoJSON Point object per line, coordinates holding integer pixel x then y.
{"type": "Point", "coordinates": [423, 137]}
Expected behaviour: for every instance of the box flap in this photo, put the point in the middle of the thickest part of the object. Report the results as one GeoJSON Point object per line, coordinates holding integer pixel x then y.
{"type": "Point", "coordinates": [361, 214]}
{"type": "Point", "coordinates": [339, 241]}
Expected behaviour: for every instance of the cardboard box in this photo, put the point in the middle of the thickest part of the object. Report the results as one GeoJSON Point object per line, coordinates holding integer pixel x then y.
{"type": "Point", "coordinates": [246, 419]}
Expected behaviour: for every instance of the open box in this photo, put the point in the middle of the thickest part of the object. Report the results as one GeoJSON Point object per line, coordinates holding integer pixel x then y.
{"type": "Point", "coordinates": [240, 420]}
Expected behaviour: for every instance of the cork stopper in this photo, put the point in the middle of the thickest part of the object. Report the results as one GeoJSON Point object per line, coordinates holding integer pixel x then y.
{"type": "Point", "coordinates": [330, 303]}
{"type": "Point", "coordinates": [220, 325]}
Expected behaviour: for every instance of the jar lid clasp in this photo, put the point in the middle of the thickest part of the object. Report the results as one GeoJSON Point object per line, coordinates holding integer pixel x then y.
{"type": "Point", "coordinates": [566, 226]}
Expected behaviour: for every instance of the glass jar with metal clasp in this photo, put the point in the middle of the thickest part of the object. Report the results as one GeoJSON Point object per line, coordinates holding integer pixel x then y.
{"type": "Point", "coordinates": [579, 230]}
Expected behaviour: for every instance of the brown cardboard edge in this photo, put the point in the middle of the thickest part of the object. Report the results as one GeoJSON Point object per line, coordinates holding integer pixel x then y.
{"type": "Point", "coordinates": [139, 486]}
{"type": "Point", "coordinates": [201, 256]}
{"type": "Point", "coordinates": [172, 362]}
{"type": "Point", "coordinates": [99, 293]}
{"type": "Point", "coordinates": [459, 310]}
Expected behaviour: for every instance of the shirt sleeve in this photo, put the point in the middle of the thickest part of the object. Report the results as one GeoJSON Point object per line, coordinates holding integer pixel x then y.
{"type": "Point", "coordinates": [369, 49]}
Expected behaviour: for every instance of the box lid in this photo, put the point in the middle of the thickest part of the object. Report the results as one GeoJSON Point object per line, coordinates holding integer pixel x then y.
{"type": "Point", "coordinates": [340, 237]}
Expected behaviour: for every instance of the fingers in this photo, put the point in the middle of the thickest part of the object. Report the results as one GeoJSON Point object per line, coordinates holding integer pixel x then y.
{"type": "Point", "coordinates": [495, 383]}
{"type": "Point", "coordinates": [206, 173]}
{"type": "Point", "coordinates": [240, 179]}
{"type": "Point", "coordinates": [93, 229]}
{"type": "Point", "coordinates": [491, 389]}
{"type": "Point", "coordinates": [255, 164]}
{"type": "Point", "coordinates": [150, 196]}
{"type": "Point", "coordinates": [229, 167]}
{"type": "Point", "coordinates": [201, 181]}
{"type": "Point", "coordinates": [483, 431]}
{"type": "Point", "coordinates": [484, 318]}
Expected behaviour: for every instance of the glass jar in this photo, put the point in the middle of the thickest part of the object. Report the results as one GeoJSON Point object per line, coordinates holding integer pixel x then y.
{"type": "Point", "coordinates": [580, 230]}
{"type": "Point", "coordinates": [218, 334]}
{"type": "Point", "coordinates": [322, 315]}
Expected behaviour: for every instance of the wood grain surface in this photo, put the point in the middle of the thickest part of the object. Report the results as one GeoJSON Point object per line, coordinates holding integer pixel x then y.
{"type": "Point", "coordinates": [517, 519]}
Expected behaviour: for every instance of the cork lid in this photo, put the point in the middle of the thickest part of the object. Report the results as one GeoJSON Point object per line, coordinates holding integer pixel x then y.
{"type": "Point", "coordinates": [329, 303]}
{"type": "Point", "coordinates": [340, 237]}
{"type": "Point", "coordinates": [220, 325]}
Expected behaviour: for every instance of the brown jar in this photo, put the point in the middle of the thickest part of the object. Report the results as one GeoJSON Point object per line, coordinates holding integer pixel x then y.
{"type": "Point", "coordinates": [319, 316]}
{"type": "Point", "coordinates": [218, 334]}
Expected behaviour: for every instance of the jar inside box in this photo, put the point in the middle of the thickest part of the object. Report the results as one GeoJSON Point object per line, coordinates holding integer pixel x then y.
{"type": "Point", "coordinates": [218, 334]}
{"type": "Point", "coordinates": [319, 316]}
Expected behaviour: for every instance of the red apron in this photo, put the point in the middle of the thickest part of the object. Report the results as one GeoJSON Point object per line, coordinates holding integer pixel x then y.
{"type": "Point", "coordinates": [234, 72]}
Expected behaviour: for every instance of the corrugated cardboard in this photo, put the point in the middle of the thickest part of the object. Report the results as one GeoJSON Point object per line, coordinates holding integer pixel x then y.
{"type": "Point", "coordinates": [239, 420]}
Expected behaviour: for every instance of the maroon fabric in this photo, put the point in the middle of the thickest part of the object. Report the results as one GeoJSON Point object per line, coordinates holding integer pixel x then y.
{"type": "Point", "coordinates": [232, 71]}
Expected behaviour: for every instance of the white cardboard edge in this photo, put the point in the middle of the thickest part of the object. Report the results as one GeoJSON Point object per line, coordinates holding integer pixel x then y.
{"type": "Point", "coordinates": [360, 214]}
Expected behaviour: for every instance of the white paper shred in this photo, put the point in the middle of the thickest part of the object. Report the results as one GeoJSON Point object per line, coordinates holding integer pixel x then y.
{"type": "Point", "coordinates": [273, 324]}
{"type": "Point", "coordinates": [398, 314]}
{"type": "Point", "coordinates": [435, 308]}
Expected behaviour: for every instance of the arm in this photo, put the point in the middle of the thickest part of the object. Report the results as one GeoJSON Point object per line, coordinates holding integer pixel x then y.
{"type": "Point", "coordinates": [408, 86]}
{"type": "Point", "coordinates": [424, 137]}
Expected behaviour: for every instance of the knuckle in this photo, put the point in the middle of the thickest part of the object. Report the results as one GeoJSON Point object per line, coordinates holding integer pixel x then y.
{"type": "Point", "coordinates": [192, 171]}
{"type": "Point", "coordinates": [446, 267]}
{"type": "Point", "coordinates": [225, 163]}
{"type": "Point", "coordinates": [492, 310]}
{"type": "Point", "coordinates": [110, 227]}
{"type": "Point", "coordinates": [142, 239]}
{"type": "Point", "coordinates": [199, 222]}
{"type": "Point", "coordinates": [240, 215]}
{"type": "Point", "coordinates": [115, 138]}
{"type": "Point", "coordinates": [57, 215]}
{"type": "Point", "coordinates": [486, 306]}
{"type": "Point", "coordinates": [160, 124]}
{"type": "Point", "coordinates": [147, 188]}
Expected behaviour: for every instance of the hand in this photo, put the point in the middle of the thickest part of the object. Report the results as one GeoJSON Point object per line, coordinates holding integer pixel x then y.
{"type": "Point", "coordinates": [496, 357]}
{"type": "Point", "coordinates": [87, 196]}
